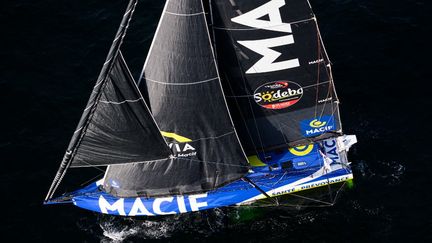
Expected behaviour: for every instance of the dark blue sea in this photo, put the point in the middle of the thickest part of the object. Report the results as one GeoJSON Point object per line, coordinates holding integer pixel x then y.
{"type": "Point", "coordinates": [51, 53]}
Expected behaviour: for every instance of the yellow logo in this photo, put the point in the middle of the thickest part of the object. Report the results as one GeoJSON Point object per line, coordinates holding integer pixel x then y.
{"type": "Point", "coordinates": [176, 137]}
{"type": "Point", "coordinates": [267, 96]}
{"type": "Point", "coordinates": [301, 150]}
{"type": "Point", "coordinates": [317, 123]}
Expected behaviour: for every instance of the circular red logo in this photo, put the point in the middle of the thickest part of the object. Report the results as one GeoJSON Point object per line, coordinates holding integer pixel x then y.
{"type": "Point", "coordinates": [278, 94]}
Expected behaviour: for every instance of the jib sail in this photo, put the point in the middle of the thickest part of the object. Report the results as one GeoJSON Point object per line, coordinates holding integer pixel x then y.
{"type": "Point", "coordinates": [188, 104]}
{"type": "Point", "coordinates": [121, 128]}
{"type": "Point", "coordinates": [275, 72]}
{"type": "Point", "coordinates": [116, 127]}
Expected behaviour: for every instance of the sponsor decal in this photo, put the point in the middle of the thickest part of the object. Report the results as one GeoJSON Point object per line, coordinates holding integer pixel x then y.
{"type": "Point", "coordinates": [179, 145]}
{"type": "Point", "coordinates": [330, 149]}
{"type": "Point", "coordinates": [264, 47]}
{"type": "Point", "coordinates": [278, 95]}
{"type": "Point", "coordinates": [301, 150]}
{"type": "Point", "coordinates": [158, 206]}
{"type": "Point", "coordinates": [317, 126]}
{"type": "Point", "coordinates": [325, 100]}
{"type": "Point", "coordinates": [316, 61]}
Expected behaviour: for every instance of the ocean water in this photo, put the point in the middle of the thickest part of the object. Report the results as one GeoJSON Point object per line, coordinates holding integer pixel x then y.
{"type": "Point", "coordinates": [51, 53]}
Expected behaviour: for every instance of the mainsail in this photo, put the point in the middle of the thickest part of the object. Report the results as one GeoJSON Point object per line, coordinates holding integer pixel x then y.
{"type": "Point", "coordinates": [188, 104]}
{"type": "Point", "coordinates": [275, 72]}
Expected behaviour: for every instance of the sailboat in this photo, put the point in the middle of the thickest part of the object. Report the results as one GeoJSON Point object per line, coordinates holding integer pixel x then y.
{"type": "Point", "coordinates": [235, 105]}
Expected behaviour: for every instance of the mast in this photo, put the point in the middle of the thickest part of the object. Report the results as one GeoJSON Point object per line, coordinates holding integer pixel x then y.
{"type": "Point", "coordinates": [93, 100]}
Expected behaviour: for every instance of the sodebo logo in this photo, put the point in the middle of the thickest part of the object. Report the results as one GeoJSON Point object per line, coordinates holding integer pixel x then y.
{"type": "Point", "coordinates": [278, 94]}
{"type": "Point", "coordinates": [317, 126]}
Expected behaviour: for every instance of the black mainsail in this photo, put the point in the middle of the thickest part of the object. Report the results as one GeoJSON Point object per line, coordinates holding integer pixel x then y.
{"type": "Point", "coordinates": [187, 102]}
{"type": "Point", "coordinates": [275, 72]}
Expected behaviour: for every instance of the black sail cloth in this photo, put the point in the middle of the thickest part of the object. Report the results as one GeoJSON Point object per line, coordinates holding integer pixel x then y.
{"type": "Point", "coordinates": [188, 104]}
{"type": "Point", "coordinates": [121, 130]}
{"type": "Point", "coordinates": [116, 126]}
{"type": "Point", "coordinates": [275, 72]}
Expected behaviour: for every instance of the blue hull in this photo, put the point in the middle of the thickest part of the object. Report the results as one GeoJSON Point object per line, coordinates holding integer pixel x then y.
{"type": "Point", "coordinates": [307, 169]}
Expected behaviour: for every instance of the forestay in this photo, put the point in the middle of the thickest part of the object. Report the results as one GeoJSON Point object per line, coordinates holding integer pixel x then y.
{"type": "Point", "coordinates": [116, 126]}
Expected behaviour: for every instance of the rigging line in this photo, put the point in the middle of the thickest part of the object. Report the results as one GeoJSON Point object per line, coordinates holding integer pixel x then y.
{"type": "Point", "coordinates": [191, 83]}
{"type": "Point", "coordinates": [327, 96]}
{"type": "Point", "coordinates": [109, 60]}
{"type": "Point", "coordinates": [97, 99]}
{"type": "Point", "coordinates": [333, 112]}
{"type": "Point", "coordinates": [120, 102]}
{"type": "Point", "coordinates": [212, 28]}
{"type": "Point", "coordinates": [311, 199]}
{"type": "Point", "coordinates": [266, 27]}
{"type": "Point", "coordinates": [242, 117]}
{"type": "Point", "coordinates": [338, 192]}
{"type": "Point", "coordinates": [245, 179]}
{"type": "Point", "coordinates": [250, 107]}
{"type": "Point", "coordinates": [325, 172]}
{"type": "Point", "coordinates": [185, 15]}
{"type": "Point", "coordinates": [220, 85]}
{"type": "Point", "coordinates": [216, 137]}
{"type": "Point", "coordinates": [90, 106]}
{"type": "Point", "coordinates": [285, 173]}
{"type": "Point", "coordinates": [328, 69]}
{"type": "Point", "coordinates": [212, 162]}
{"type": "Point", "coordinates": [294, 130]}
{"type": "Point", "coordinates": [282, 134]}
{"type": "Point", "coordinates": [133, 162]}
{"type": "Point", "coordinates": [88, 165]}
{"type": "Point", "coordinates": [241, 113]}
{"type": "Point", "coordinates": [305, 87]}
{"type": "Point", "coordinates": [84, 183]}
{"type": "Point", "coordinates": [79, 129]}
{"type": "Point", "coordinates": [231, 89]}
{"type": "Point", "coordinates": [172, 157]}
{"type": "Point", "coordinates": [67, 158]}
{"type": "Point", "coordinates": [323, 203]}
{"type": "Point", "coordinates": [332, 107]}
{"type": "Point", "coordinates": [318, 73]}
{"type": "Point", "coordinates": [134, 84]}
{"type": "Point", "coordinates": [152, 43]}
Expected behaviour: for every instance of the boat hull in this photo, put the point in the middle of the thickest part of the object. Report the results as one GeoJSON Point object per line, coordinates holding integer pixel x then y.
{"type": "Point", "coordinates": [280, 173]}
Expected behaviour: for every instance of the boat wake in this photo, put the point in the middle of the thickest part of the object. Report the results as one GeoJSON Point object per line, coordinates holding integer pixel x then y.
{"type": "Point", "coordinates": [270, 223]}
{"type": "Point", "coordinates": [113, 232]}
{"type": "Point", "coordinates": [115, 229]}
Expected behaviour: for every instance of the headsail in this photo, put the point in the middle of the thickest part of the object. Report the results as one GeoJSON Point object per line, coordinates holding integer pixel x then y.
{"type": "Point", "coordinates": [275, 72]}
{"type": "Point", "coordinates": [116, 126]}
{"type": "Point", "coordinates": [121, 130]}
{"type": "Point", "coordinates": [187, 102]}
